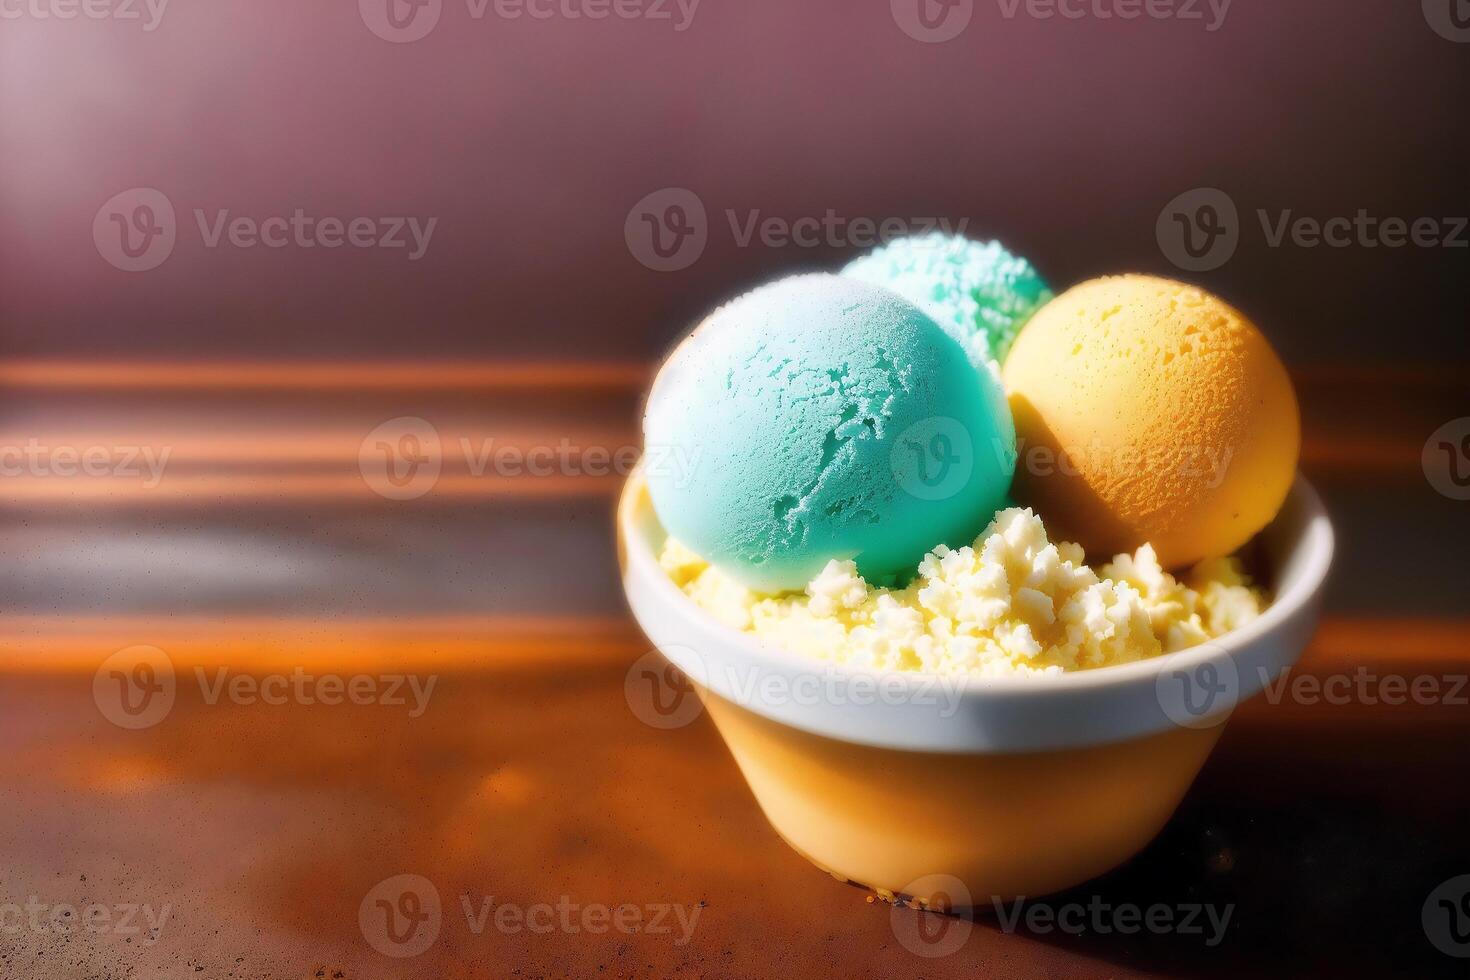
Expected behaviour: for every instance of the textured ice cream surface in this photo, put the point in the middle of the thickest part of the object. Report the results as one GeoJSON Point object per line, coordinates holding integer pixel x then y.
{"type": "Point", "coordinates": [979, 292]}
{"type": "Point", "coordinates": [1012, 603]}
{"type": "Point", "coordinates": [1176, 419]}
{"type": "Point", "coordinates": [822, 417]}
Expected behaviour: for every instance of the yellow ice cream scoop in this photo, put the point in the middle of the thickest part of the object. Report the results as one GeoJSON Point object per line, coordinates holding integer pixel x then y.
{"type": "Point", "coordinates": [1150, 411]}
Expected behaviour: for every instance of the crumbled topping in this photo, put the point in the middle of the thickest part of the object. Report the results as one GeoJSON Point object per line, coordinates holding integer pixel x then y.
{"type": "Point", "coordinates": [1011, 603]}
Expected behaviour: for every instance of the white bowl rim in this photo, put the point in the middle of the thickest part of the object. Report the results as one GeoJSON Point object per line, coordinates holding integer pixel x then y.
{"type": "Point", "coordinates": [1285, 623]}
{"type": "Point", "coordinates": [1321, 544]}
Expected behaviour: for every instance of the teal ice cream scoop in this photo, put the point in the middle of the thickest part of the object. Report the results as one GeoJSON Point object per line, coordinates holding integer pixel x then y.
{"type": "Point", "coordinates": [817, 418]}
{"type": "Point", "coordinates": [977, 291]}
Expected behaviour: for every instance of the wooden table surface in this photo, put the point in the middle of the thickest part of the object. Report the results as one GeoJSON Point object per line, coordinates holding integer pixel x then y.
{"type": "Point", "coordinates": [529, 782]}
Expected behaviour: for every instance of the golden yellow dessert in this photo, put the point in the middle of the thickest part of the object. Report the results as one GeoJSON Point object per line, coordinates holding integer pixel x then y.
{"type": "Point", "coordinates": [1148, 410]}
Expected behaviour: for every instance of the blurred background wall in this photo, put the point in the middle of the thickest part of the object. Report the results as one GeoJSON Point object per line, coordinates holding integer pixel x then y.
{"type": "Point", "coordinates": [529, 140]}
{"type": "Point", "coordinates": [536, 157]}
{"type": "Point", "coordinates": [502, 166]}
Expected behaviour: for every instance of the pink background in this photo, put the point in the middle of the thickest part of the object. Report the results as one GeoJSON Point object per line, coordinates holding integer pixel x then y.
{"type": "Point", "coordinates": [531, 140]}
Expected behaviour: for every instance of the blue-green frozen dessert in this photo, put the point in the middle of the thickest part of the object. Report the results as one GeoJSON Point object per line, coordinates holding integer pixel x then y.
{"type": "Point", "coordinates": [820, 417]}
{"type": "Point", "coordinates": [977, 291]}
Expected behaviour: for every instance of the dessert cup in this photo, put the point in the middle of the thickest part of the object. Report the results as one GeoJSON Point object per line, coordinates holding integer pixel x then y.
{"type": "Point", "coordinates": [964, 791]}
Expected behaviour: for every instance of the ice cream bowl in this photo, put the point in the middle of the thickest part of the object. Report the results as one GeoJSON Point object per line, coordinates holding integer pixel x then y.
{"type": "Point", "coordinates": [965, 791]}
